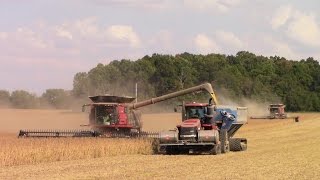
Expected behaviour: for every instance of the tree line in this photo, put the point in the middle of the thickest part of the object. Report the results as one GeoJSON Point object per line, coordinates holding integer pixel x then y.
{"type": "Point", "coordinates": [242, 76]}
{"type": "Point", "coordinates": [245, 75]}
{"type": "Point", "coordinates": [52, 98]}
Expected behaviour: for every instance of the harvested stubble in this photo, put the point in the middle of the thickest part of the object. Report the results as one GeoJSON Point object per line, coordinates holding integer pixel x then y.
{"type": "Point", "coordinates": [21, 151]}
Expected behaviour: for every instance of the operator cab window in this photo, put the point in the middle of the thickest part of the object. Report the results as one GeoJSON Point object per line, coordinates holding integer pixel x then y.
{"type": "Point", "coordinates": [195, 112]}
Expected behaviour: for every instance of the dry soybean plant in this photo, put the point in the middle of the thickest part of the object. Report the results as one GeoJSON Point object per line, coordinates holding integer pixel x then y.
{"type": "Point", "coordinates": [19, 151]}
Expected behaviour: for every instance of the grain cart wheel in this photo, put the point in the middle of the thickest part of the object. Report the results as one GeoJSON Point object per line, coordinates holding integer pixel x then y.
{"type": "Point", "coordinates": [224, 141]}
{"type": "Point", "coordinates": [238, 144]}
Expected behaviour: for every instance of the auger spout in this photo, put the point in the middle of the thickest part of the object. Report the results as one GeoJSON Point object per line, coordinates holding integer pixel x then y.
{"type": "Point", "coordinates": [203, 87]}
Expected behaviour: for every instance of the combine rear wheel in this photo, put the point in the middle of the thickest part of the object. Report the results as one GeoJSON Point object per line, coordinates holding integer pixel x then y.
{"type": "Point", "coordinates": [238, 144]}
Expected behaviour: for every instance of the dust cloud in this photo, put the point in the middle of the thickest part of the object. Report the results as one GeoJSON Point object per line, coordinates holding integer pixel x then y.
{"type": "Point", "coordinates": [4, 105]}
{"type": "Point", "coordinates": [12, 120]}
{"type": "Point", "coordinates": [254, 108]}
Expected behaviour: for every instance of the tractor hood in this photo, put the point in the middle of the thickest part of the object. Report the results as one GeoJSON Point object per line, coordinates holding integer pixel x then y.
{"type": "Point", "coordinates": [191, 123]}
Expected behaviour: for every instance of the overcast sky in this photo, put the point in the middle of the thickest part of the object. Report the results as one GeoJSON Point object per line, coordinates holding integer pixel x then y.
{"type": "Point", "coordinates": [45, 42]}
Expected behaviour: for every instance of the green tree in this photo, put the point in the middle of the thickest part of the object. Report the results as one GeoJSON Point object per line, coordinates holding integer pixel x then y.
{"type": "Point", "coordinates": [80, 85]}
{"type": "Point", "coordinates": [58, 98]}
{"type": "Point", "coordinates": [24, 100]}
{"type": "Point", "coordinates": [4, 98]}
{"type": "Point", "coordinates": [244, 75]}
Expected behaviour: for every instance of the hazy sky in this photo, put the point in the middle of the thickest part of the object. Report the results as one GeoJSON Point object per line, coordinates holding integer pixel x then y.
{"type": "Point", "coordinates": [45, 42]}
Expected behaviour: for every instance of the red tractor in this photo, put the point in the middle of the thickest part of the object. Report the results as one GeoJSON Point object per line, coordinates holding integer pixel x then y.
{"type": "Point", "coordinates": [205, 127]}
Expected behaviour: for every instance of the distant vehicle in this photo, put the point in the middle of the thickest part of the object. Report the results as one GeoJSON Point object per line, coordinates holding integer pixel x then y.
{"type": "Point", "coordinates": [276, 112]}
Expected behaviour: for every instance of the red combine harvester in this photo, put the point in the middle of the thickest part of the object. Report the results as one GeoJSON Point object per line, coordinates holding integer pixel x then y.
{"type": "Point", "coordinates": [276, 112]}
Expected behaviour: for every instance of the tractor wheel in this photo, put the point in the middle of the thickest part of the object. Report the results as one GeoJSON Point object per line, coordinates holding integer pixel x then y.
{"type": "Point", "coordinates": [224, 140]}
{"type": "Point", "coordinates": [236, 144]}
{"type": "Point", "coordinates": [171, 151]}
{"type": "Point", "coordinates": [155, 146]}
{"type": "Point", "coordinates": [216, 149]}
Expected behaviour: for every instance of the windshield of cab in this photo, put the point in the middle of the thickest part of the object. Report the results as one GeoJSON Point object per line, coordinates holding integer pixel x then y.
{"type": "Point", "coordinates": [195, 112]}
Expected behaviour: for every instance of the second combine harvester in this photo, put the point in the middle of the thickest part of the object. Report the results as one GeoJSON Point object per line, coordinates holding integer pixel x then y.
{"type": "Point", "coordinates": [206, 127]}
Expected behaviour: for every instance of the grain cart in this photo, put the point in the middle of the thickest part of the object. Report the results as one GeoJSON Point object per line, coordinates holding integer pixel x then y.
{"type": "Point", "coordinates": [205, 127]}
{"type": "Point", "coordinates": [115, 116]}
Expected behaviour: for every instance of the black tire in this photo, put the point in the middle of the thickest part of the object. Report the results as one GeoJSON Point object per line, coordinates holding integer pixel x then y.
{"type": "Point", "coordinates": [238, 144]}
{"type": "Point", "coordinates": [216, 149]}
{"type": "Point", "coordinates": [171, 151]}
{"type": "Point", "coordinates": [224, 140]}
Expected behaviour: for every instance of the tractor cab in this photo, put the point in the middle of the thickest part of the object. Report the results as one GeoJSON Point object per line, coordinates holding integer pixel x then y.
{"type": "Point", "coordinates": [203, 112]}
{"type": "Point", "coordinates": [195, 110]}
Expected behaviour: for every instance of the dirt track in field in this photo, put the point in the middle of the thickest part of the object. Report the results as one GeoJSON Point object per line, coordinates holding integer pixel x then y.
{"type": "Point", "coordinates": [277, 149]}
